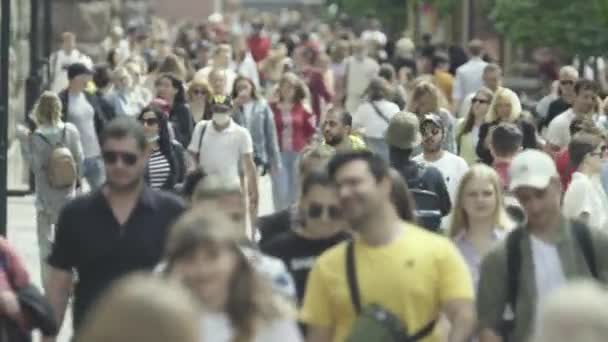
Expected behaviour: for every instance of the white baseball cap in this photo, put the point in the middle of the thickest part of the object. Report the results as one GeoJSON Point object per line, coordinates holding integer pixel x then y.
{"type": "Point", "coordinates": [532, 168]}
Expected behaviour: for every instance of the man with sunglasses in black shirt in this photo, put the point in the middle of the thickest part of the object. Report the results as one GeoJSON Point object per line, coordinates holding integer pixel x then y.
{"type": "Point", "coordinates": [568, 75]}
{"type": "Point", "coordinates": [112, 231]}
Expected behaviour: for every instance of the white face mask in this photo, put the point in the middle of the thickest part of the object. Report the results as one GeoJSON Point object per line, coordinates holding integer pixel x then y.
{"type": "Point", "coordinates": [221, 118]}
{"type": "Point", "coordinates": [153, 138]}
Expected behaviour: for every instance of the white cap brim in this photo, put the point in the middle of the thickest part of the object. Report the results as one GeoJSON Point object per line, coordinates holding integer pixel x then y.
{"type": "Point", "coordinates": [532, 181]}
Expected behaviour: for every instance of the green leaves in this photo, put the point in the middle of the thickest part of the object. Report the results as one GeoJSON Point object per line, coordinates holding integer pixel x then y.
{"type": "Point", "coordinates": [576, 27]}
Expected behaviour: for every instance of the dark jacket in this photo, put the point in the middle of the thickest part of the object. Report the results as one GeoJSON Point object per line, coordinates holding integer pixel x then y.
{"type": "Point", "coordinates": [182, 122]}
{"type": "Point", "coordinates": [527, 129]}
{"type": "Point", "coordinates": [101, 117]}
{"type": "Point", "coordinates": [177, 163]}
{"type": "Point", "coordinates": [274, 224]}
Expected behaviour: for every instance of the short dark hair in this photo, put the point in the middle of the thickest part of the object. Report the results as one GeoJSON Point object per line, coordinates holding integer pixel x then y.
{"type": "Point", "coordinates": [387, 72]}
{"type": "Point", "coordinates": [438, 59]}
{"type": "Point", "coordinates": [377, 89]}
{"type": "Point", "coordinates": [316, 177]}
{"type": "Point", "coordinates": [583, 84]}
{"type": "Point", "coordinates": [377, 166]}
{"type": "Point", "coordinates": [102, 76]}
{"type": "Point", "coordinates": [124, 127]}
{"type": "Point", "coordinates": [506, 139]}
{"type": "Point", "coordinates": [347, 119]}
{"type": "Point", "coordinates": [582, 144]}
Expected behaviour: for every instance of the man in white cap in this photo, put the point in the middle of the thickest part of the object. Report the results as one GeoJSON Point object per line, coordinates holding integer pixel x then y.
{"type": "Point", "coordinates": [537, 258]}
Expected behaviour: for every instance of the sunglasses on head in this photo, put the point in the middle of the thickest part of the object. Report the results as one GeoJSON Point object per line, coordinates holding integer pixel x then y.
{"type": "Point", "coordinates": [566, 82]}
{"type": "Point", "coordinates": [111, 157]}
{"type": "Point", "coordinates": [477, 100]}
{"type": "Point", "coordinates": [149, 121]}
{"type": "Point", "coordinates": [316, 210]}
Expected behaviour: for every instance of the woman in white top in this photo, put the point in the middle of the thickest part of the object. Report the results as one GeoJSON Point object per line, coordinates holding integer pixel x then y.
{"type": "Point", "coordinates": [479, 218]}
{"type": "Point", "coordinates": [372, 116]}
{"type": "Point", "coordinates": [585, 198]}
{"type": "Point", "coordinates": [203, 252]}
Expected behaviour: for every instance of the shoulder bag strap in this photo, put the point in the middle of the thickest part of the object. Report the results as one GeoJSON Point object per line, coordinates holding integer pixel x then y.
{"type": "Point", "coordinates": [583, 237]}
{"type": "Point", "coordinates": [380, 114]}
{"type": "Point", "coordinates": [351, 276]}
{"type": "Point", "coordinates": [513, 265]}
{"type": "Point", "coordinates": [424, 332]}
{"type": "Point", "coordinates": [44, 138]}
{"type": "Point", "coordinates": [200, 141]}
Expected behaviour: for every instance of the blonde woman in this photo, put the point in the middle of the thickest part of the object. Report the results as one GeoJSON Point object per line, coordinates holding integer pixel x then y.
{"type": "Point", "coordinates": [144, 308]}
{"type": "Point", "coordinates": [467, 128]}
{"type": "Point", "coordinates": [198, 95]}
{"type": "Point", "coordinates": [203, 251]}
{"type": "Point", "coordinates": [505, 107]}
{"type": "Point", "coordinates": [479, 218]}
{"type": "Point", "coordinates": [124, 100]}
{"type": "Point", "coordinates": [38, 146]}
{"type": "Point", "coordinates": [426, 98]}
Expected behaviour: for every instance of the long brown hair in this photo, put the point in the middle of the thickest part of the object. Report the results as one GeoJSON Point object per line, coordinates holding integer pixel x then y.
{"type": "Point", "coordinates": [251, 302]}
{"type": "Point", "coordinates": [470, 118]}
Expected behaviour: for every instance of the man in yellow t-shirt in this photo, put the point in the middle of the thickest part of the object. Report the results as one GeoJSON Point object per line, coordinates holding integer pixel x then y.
{"type": "Point", "coordinates": [337, 128]}
{"type": "Point", "coordinates": [415, 274]}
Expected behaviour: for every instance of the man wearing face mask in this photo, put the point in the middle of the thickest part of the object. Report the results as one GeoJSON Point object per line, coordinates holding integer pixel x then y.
{"type": "Point", "coordinates": [360, 69]}
{"type": "Point", "coordinates": [220, 146]}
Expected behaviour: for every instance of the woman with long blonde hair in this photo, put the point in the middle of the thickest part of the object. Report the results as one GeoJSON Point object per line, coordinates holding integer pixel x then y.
{"type": "Point", "coordinates": [203, 251]}
{"type": "Point", "coordinates": [479, 218]}
{"type": "Point", "coordinates": [505, 107]}
{"type": "Point", "coordinates": [426, 98]}
{"type": "Point", "coordinates": [39, 145]}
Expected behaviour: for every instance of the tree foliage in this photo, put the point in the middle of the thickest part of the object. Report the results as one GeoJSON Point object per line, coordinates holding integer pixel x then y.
{"type": "Point", "coordinates": [575, 27]}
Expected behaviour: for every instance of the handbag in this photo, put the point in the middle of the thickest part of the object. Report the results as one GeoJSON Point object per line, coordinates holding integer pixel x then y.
{"type": "Point", "coordinates": [375, 323]}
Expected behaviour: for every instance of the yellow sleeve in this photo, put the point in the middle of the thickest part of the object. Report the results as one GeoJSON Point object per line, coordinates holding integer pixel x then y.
{"type": "Point", "coordinates": [316, 307]}
{"type": "Point", "coordinates": [455, 281]}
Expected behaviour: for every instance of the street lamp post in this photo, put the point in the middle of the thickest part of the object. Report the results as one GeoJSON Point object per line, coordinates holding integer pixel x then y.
{"type": "Point", "coordinates": [5, 36]}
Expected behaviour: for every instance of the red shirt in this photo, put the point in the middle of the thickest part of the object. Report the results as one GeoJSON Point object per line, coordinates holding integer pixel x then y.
{"type": "Point", "coordinates": [565, 170]}
{"type": "Point", "coordinates": [302, 126]}
{"type": "Point", "coordinates": [316, 86]}
{"type": "Point", "coordinates": [502, 168]}
{"type": "Point", "coordinates": [259, 47]}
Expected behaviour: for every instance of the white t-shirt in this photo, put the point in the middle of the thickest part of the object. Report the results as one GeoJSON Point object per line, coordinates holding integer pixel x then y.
{"type": "Point", "coordinates": [452, 168]}
{"type": "Point", "coordinates": [558, 132]}
{"type": "Point", "coordinates": [359, 75]}
{"type": "Point", "coordinates": [548, 271]}
{"type": "Point", "coordinates": [216, 327]}
{"type": "Point", "coordinates": [583, 196]}
{"type": "Point", "coordinates": [369, 121]}
{"type": "Point", "coordinates": [221, 152]}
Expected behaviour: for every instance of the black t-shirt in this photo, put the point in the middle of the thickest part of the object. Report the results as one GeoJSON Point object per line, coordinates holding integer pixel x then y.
{"type": "Point", "coordinates": [274, 224]}
{"type": "Point", "coordinates": [299, 254]}
{"type": "Point", "coordinates": [91, 241]}
{"type": "Point", "coordinates": [556, 107]}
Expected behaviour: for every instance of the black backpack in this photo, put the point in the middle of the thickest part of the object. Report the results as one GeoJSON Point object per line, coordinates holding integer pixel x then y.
{"type": "Point", "coordinates": [582, 235]}
{"type": "Point", "coordinates": [428, 204]}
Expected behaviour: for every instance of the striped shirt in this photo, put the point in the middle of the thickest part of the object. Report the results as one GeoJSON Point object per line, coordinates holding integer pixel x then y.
{"type": "Point", "coordinates": [158, 169]}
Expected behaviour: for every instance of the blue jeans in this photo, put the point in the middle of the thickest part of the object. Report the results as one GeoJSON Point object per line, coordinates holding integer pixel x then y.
{"type": "Point", "coordinates": [378, 146]}
{"type": "Point", "coordinates": [285, 183]}
{"type": "Point", "coordinates": [94, 172]}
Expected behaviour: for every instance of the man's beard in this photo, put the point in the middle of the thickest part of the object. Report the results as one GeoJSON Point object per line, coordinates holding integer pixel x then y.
{"type": "Point", "coordinates": [335, 140]}
{"type": "Point", "coordinates": [432, 148]}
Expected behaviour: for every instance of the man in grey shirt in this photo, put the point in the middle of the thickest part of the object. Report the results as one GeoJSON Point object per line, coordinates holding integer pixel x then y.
{"type": "Point", "coordinates": [84, 111]}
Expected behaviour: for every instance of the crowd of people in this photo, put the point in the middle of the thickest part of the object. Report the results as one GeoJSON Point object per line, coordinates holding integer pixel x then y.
{"type": "Point", "coordinates": [414, 198]}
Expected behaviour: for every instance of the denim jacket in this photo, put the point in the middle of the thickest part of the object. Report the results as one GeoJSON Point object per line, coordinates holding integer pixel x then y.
{"type": "Point", "coordinates": [263, 132]}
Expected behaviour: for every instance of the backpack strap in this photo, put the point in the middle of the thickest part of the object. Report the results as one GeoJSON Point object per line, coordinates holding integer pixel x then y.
{"type": "Point", "coordinates": [513, 265]}
{"type": "Point", "coordinates": [380, 114]}
{"type": "Point", "coordinates": [351, 276]}
{"type": "Point", "coordinates": [583, 237]}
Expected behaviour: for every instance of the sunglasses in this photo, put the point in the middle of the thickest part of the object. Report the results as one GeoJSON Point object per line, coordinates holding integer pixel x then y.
{"type": "Point", "coordinates": [476, 100]}
{"type": "Point", "coordinates": [316, 210]}
{"type": "Point", "coordinates": [111, 157]}
{"type": "Point", "coordinates": [566, 82]}
{"type": "Point", "coordinates": [199, 92]}
{"type": "Point", "coordinates": [149, 121]}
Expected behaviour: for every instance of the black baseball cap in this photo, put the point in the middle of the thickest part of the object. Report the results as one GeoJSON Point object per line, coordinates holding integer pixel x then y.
{"type": "Point", "coordinates": [221, 104]}
{"type": "Point", "coordinates": [77, 69]}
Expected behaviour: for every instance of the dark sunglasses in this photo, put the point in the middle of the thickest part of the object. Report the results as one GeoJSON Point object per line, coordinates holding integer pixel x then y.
{"type": "Point", "coordinates": [315, 211]}
{"type": "Point", "coordinates": [149, 121]}
{"type": "Point", "coordinates": [111, 157]}
{"type": "Point", "coordinates": [566, 82]}
{"type": "Point", "coordinates": [476, 100]}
